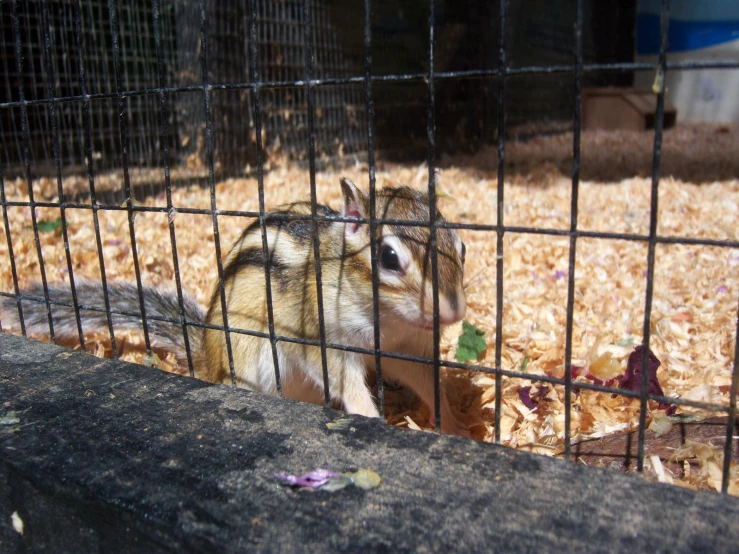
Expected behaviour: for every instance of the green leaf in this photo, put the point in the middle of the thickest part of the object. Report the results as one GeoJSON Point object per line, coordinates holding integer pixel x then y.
{"type": "Point", "coordinates": [626, 342]}
{"type": "Point", "coordinates": [471, 343]}
{"type": "Point", "coordinates": [49, 226]}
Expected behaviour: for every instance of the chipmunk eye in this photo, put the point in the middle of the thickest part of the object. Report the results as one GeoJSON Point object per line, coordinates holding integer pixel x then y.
{"type": "Point", "coordinates": [464, 252]}
{"type": "Point", "coordinates": [389, 258]}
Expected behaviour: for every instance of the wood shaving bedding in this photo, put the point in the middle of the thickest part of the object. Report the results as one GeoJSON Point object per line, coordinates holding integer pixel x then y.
{"type": "Point", "coordinates": [694, 311]}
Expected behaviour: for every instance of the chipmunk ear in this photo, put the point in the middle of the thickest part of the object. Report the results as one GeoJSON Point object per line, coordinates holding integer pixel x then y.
{"type": "Point", "coordinates": [354, 203]}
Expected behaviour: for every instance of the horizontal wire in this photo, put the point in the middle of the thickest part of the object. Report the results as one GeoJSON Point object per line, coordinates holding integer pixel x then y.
{"type": "Point", "coordinates": [279, 216]}
{"type": "Point", "coordinates": [394, 355]}
{"type": "Point", "coordinates": [389, 78]}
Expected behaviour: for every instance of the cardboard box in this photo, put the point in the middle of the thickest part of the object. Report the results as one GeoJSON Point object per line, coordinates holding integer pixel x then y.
{"type": "Point", "coordinates": [623, 108]}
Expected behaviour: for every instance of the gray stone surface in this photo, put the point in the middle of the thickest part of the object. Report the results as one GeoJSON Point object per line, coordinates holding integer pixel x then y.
{"type": "Point", "coordinates": [115, 457]}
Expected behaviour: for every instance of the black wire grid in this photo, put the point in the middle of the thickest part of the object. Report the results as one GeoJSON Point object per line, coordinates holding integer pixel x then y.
{"type": "Point", "coordinates": [122, 96]}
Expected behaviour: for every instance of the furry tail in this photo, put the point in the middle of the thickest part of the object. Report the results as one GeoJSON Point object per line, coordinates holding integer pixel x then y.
{"type": "Point", "coordinates": [123, 297]}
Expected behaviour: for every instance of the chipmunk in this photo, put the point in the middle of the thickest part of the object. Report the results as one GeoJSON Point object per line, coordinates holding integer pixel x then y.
{"type": "Point", "coordinates": [405, 304]}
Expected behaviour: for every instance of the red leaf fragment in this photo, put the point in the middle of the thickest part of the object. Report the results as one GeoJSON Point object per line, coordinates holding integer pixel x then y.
{"type": "Point", "coordinates": [524, 393]}
{"type": "Point", "coordinates": [633, 376]}
{"type": "Point", "coordinates": [531, 402]}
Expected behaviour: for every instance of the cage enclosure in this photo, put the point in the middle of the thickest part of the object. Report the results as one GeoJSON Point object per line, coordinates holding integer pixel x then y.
{"type": "Point", "coordinates": [140, 140]}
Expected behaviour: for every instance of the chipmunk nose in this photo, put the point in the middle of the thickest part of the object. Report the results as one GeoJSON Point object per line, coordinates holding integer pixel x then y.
{"type": "Point", "coordinates": [452, 307]}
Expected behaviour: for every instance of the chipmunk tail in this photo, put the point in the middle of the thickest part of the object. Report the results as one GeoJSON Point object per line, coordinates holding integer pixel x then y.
{"type": "Point", "coordinates": [162, 315]}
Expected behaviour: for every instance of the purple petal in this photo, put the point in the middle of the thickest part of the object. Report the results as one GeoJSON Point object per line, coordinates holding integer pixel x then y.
{"type": "Point", "coordinates": [524, 393]}
{"type": "Point", "coordinates": [531, 402]}
{"type": "Point", "coordinates": [722, 288]}
{"type": "Point", "coordinates": [559, 274]}
{"type": "Point", "coordinates": [314, 479]}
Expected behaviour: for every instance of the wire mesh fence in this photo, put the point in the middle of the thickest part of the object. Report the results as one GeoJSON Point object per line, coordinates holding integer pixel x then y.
{"type": "Point", "coordinates": [101, 86]}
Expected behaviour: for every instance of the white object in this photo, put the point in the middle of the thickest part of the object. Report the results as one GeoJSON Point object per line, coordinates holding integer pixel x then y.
{"type": "Point", "coordinates": [699, 31]}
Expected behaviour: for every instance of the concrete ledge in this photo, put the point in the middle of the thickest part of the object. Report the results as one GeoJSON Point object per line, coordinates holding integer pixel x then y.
{"type": "Point", "coordinates": [115, 457]}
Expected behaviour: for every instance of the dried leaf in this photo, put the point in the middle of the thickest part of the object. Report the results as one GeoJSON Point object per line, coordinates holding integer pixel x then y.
{"type": "Point", "coordinates": [366, 479]}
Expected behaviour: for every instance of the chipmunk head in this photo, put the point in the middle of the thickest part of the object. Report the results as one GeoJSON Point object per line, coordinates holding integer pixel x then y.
{"type": "Point", "coordinates": [404, 255]}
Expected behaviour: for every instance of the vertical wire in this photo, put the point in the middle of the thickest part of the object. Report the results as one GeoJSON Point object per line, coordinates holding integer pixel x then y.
{"type": "Point", "coordinates": [254, 64]}
{"type": "Point", "coordinates": [91, 171]}
{"type": "Point", "coordinates": [168, 184]}
{"type": "Point", "coordinates": [101, 77]}
{"type": "Point", "coordinates": [307, 37]}
{"type": "Point", "coordinates": [123, 131]}
{"type": "Point", "coordinates": [130, 57]}
{"type": "Point", "coordinates": [372, 195]}
{"type": "Point", "coordinates": [431, 132]}
{"type": "Point", "coordinates": [653, 213]}
{"type": "Point", "coordinates": [728, 445]}
{"type": "Point", "coordinates": [9, 91]}
{"type": "Point", "coordinates": [3, 201]}
{"type": "Point", "coordinates": [68, 118]}
{"type": "Point", "coordinates": [9, 240]}
{"type": "Point", "coordinates": [41, 118]}
{"type": "Point", "coordinates": [501, 230]}
{"type": "Point", "coordinates": [58, 167]}
{"type": "Point", "coordinates": [27, 162]}
{"type": "Point", "coordinates": [212, 186]}
{"type": "Point", "coordinates": [140, 39]}
{"type": "Point", "coordinates": [576, 123]}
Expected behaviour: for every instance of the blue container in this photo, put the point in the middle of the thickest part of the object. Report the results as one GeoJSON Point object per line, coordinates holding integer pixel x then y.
{"type": "Point", "coordinates": [693, 25]}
